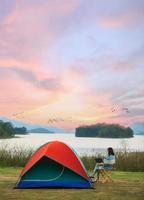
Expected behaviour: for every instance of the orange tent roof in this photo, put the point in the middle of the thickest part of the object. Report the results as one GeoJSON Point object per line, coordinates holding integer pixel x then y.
{"type": "Point", "coordinates": [59, 152]}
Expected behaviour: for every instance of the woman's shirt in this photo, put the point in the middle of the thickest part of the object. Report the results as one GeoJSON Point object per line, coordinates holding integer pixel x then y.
{"type": "Point", "coordinates": [110, 159]}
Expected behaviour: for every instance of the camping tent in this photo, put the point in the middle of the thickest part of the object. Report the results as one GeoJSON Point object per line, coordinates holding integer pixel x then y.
{"type": "Point", "coordinates": [54, 165]}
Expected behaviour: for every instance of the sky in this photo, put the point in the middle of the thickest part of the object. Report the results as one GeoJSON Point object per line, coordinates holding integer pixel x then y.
{"type": "Point", "coordinates": [67, 63]}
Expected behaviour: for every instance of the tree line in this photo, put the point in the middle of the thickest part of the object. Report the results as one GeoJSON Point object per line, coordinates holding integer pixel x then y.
{"type": "Point", "coordinates": [7, 130]}
{"type": "Point", "coordinates": [104, 131]}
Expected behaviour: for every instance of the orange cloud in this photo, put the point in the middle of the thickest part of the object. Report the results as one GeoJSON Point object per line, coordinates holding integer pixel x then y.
{"type": "Point", "coordinates": [116, 22]}
{"type": "Point", "coordinates": [107, 23]}
{"type": "Point", "coordinates": [129, 19]}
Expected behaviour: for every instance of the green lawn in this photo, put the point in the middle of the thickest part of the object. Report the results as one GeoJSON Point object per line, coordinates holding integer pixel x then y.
{"type": "Point", "coordinates": [126, 186]}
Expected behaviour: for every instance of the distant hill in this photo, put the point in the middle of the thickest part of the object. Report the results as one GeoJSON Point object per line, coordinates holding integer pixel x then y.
{"type": "Point", "coordinates": [142, 133]}
{"type": "Point", "coordinates": [17, 123]}
{"type": "Point", "coordinates": [40, 130]}
{"type": "Point", "coordinates": [138, 129]}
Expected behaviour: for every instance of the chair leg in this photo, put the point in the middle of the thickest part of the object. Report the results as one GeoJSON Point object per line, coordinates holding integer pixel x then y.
{"type": "Point", "coordinates": [101, 177]}
{"type": "Point", "coordinates": [108, 175]}
{"type": "Point", "coordinates": [105, 176]}
{"type": "Point", "coordinates": [98, 176]}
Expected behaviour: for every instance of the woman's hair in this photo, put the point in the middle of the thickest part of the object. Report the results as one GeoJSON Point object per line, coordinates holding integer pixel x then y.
{"type": "Point", "coordinates": [110, 151]}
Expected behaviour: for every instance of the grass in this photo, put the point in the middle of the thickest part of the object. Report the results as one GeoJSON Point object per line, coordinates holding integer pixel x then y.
{"type": "Point", "coordinates": [17, 156]}
{"type": "Point", "coordinates": [127, 186]}
{"type": "Point", "coordinates": [133, 161]}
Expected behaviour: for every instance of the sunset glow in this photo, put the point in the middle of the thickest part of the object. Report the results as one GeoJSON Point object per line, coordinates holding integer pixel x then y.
{"type": "Point", "coordinates": [66, 63]}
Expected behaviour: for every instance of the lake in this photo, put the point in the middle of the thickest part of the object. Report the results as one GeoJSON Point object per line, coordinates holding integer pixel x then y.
{"type": "Point", "coordinates": [84, 146]}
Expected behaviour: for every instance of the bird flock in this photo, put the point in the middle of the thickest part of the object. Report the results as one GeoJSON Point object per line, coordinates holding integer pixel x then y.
{"type": "Point", "coordinates": [55, 120]}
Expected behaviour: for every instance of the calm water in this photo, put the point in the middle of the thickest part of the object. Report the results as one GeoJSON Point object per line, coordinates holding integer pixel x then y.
{"type": "Point", "coordinates": [88, 146]}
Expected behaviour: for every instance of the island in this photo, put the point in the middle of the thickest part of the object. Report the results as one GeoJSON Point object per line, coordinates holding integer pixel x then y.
{"type": "Point", "coordinates": [7, 130]}
{"type": "Point", "coordinates": [103, 130]}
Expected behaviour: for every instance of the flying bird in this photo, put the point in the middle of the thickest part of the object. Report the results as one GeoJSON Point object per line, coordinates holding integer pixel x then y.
{"type": "Point", "coordinates": [126, 110]}
{"type": "Point", "coordinates": [113, 109]}
{"type": "Point", "coordinates": [17, 114]}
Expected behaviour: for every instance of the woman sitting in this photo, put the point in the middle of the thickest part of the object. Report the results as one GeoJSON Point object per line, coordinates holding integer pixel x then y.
{"type": "Point", "coordinates": [105, 163]}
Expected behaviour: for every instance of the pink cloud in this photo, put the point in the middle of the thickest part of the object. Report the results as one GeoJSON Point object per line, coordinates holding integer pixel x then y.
{"type": "Point", "coordinates": [87, 87]}
{"type": "Point", "coordinates": [122, 67]}
{"type": "Point", "coordinates": [9, 62]}
{"type": "Point", "coordinates": [28, 31]}
{"type": "Point", "coordinates": [77, 72]}
{"type": "Point", "coordinates": [20, 94]}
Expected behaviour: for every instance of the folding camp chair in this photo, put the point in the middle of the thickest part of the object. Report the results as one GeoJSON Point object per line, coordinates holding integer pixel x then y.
{"type": "Point", "coordinates": [105, 173]}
